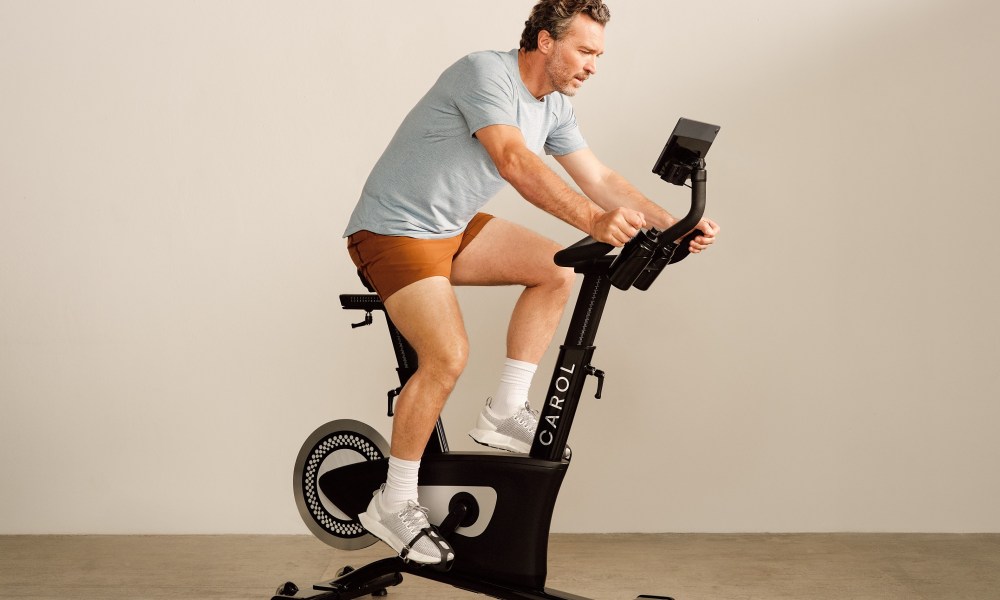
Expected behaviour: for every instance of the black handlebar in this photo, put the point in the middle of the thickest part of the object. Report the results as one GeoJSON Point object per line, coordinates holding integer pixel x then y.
{"type": "Point", "coordinates": [683, 227]}
{"type": "Point", "coordinates": [581, 252]}
{"type": "Point", "coordinates": [645, 255]}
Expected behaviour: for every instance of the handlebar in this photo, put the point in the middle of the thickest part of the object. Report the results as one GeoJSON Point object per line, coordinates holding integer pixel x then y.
{"type": "Point", "coordinates": [582, 251]}
{"type": "Point", "coordinates": [645, 255]}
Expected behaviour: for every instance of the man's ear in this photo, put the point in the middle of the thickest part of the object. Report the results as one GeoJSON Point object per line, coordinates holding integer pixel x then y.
{"type": "Point", "coordinates": [545, 41]}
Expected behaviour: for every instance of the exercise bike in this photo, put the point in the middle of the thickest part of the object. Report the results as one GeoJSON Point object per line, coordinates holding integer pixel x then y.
{"type": "Point", "coordinates": [494, 508]}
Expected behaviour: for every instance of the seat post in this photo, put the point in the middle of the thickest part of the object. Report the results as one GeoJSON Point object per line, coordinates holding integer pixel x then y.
{"type": "Point", "coordinates": [406, 357]}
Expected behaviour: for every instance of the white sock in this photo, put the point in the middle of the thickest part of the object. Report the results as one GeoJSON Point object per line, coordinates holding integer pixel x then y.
{"type": "Point", "coordinates": [401, 484]}
{"type": "Point", "coordinates": [512, 393]}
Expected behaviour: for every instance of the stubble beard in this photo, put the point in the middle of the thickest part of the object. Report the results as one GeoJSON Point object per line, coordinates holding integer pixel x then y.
{"type": "Point", "coordinates": [561, 79]}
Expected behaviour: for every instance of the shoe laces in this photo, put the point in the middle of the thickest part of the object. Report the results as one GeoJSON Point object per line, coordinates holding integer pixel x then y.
{"type": "Point", "coordinates": [527, 417]}
{"type": "Point", "coordinates": [414, 516]}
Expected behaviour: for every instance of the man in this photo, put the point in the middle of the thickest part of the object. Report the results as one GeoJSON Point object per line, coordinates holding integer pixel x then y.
{"type": "Point", "coordinates": [416, 232]}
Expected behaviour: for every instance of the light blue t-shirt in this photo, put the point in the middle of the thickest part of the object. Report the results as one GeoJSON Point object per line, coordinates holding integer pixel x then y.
{"type": "Point", "coordinates": [435, 176]}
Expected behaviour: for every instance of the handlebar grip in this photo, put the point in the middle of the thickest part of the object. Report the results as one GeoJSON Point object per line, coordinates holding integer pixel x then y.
{"type": "Point", "coordinates": [669, 254]}
{"type": "Point", "coordinates": [633, 259]}
{"type": "Point", "coordinates": [586, 249]}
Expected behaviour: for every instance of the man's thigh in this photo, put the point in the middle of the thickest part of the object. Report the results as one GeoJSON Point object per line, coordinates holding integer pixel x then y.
{"type": "Point", "coordinates": [505, 253]}
{"type": "Point", "coordinates": [426, 312]}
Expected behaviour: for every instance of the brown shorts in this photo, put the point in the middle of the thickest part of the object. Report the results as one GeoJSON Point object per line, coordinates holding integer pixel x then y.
{"type": "Point", "coordinates": [391, 263]}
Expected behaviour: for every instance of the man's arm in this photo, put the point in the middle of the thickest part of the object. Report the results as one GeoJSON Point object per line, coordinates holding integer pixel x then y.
{"type": "Point", "coordinates": [608, 190]}
{"type": "Point", "coordinates": [538, 184]}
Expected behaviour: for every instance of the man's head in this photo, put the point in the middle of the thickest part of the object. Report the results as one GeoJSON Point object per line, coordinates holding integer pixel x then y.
{"type": "Point", "coordinates": [569, 36]}
{"type": "Point", "coordinates": [555, 16]}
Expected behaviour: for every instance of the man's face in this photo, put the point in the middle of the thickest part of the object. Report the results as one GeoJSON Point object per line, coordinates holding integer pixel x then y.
{"type": "Point", "coordinates": [573, 57]}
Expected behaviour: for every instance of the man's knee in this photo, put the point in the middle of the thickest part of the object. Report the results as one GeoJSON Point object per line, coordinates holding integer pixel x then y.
{"type": "Point", "coordinates": [564, 278]}
{"type": "Point", "coordinates": [447, 362]}
{"type": "Point", "coordinates": [561, 278]}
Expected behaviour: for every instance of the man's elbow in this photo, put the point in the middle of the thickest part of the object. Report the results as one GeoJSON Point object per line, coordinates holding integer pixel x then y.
{"type": "Point", "coordinates": [510, 166]}
{"type": "Point", "coordinates": [513, 165]}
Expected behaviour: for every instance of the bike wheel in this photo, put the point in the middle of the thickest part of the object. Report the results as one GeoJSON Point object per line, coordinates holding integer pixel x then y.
{"type": "Point", "coordinates": [333, 445]}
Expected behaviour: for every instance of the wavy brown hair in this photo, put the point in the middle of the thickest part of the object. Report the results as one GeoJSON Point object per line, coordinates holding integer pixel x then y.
{"type": "Point", "coordinates": [554, 16]}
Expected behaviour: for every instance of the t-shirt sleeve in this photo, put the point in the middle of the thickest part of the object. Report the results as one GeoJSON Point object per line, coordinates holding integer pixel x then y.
{"type": "Point", "coordinates": [484, 94]}
{"type": "Point", "coordinates": [566, 137]}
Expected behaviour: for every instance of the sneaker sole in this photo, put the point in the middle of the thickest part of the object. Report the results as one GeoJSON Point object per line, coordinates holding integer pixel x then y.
{"type": "Point", "coordinates": [376, 528]}
{"type": "Point", "coordinates": [485, 437]}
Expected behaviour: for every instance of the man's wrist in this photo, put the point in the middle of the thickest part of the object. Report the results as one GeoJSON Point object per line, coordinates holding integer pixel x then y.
{"type": "Point", "coordinates": [595, 214]}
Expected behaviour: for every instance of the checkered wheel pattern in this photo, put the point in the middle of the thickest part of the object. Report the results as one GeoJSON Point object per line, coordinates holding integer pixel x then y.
{"type": "Point", "coordinates": [347, 440]}
{"type": "Point", "coordinates": [334, 445]}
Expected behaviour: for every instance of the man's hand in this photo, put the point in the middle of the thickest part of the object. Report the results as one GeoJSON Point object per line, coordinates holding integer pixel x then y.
{"type": "Point", "coordinates": [617, 226]}
{"type": "Point", "coordinates": [709, 229]}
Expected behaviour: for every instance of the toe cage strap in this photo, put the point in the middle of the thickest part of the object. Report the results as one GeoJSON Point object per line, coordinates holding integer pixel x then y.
{"type": "Point", "coordinates": [447, 554]}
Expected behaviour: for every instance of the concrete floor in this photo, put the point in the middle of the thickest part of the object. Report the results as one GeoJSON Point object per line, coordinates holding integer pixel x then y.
{"type": "Point", "coordinates": [685, 566]}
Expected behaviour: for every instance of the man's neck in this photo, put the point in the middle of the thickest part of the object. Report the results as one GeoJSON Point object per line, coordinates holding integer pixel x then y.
{"type": "Point", "coordinates": [531, 66]}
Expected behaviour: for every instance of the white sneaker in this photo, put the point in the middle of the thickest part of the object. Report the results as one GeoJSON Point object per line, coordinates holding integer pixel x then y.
{"type": "Point", "coordinates": [407, 531]}
{"type": "Point", "coordinates": [514, 433]}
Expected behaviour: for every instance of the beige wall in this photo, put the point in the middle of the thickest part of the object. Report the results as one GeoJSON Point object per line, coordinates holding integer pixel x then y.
{"type": "Point", "coordinates": [174, 177]}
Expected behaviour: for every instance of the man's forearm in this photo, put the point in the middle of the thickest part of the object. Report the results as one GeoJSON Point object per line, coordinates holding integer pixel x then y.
{"type": "Point", "coordinates": [613, 190]}
{"type": "Point", "coordinates": [538, 184]}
